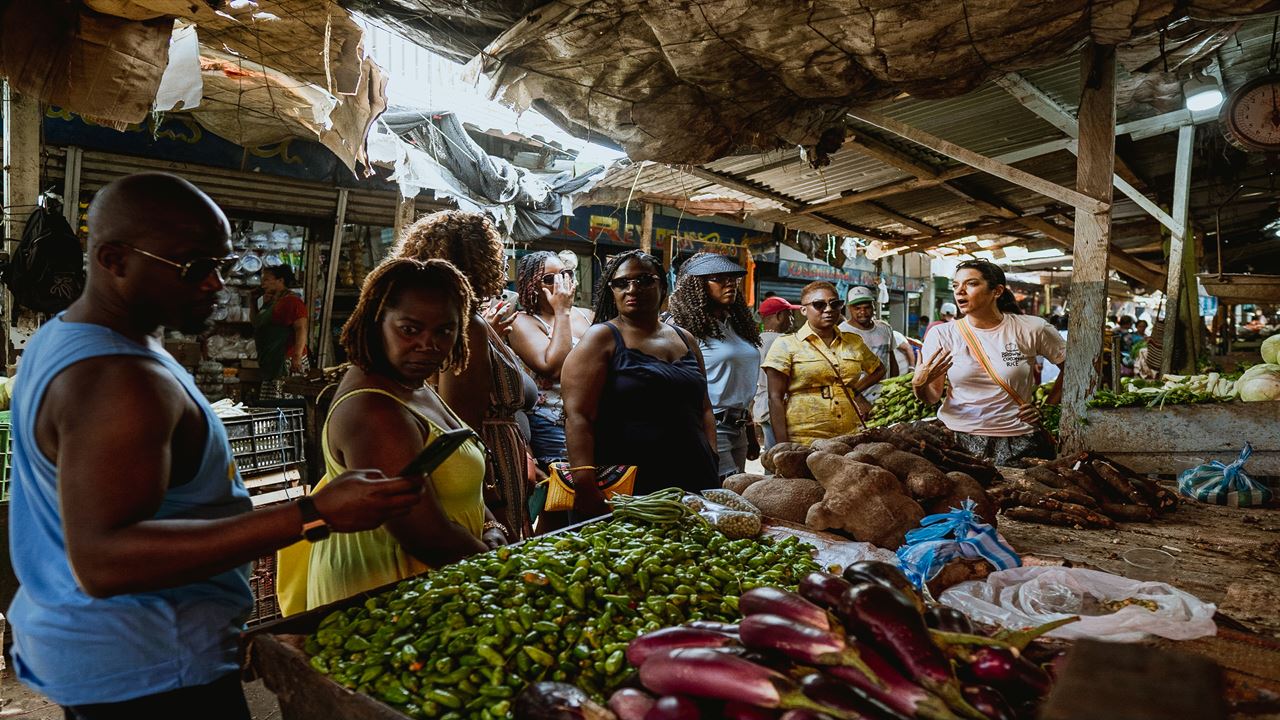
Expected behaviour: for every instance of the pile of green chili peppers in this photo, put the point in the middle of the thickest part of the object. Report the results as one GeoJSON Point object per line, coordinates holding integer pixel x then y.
{"type": "Point", "coordinates": [464, 640]}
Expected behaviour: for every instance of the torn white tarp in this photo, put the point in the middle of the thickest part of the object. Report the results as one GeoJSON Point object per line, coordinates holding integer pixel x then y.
{"type": "Point", "coordinates": [181, 86]}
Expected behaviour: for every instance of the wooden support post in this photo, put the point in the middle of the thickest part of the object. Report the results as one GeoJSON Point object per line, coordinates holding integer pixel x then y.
{"type": "Point", "coordinates": [1088, 295]}
{"type": "Point", "coordinates": [21, 184]}
{"type": "Point", "coordinates": [1178, 250]}
{"type": "Point", "coordinates": [331, 282]}
{"type": "Point", "coordinates": [405, 215]}
{"type": "Point", "coordinates": [646, 229]}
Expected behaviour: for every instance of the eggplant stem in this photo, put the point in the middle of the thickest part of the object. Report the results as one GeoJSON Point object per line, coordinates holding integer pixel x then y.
{"type": "Point", "coordinates": [800, 701]}
{"type": "Point", "coordinates": [1020, 639]}
{"type": "Point", "coordinates": [950, 694]}
{"type": "Point", "coordinates": [948, 640]}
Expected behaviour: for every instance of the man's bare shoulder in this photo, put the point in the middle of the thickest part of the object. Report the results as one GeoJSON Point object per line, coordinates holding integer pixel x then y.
{"type": "Point", "coordinates": [136, 387]}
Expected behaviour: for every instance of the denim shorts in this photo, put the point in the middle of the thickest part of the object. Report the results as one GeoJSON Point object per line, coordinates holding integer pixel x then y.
{"type": "Point", "coordinates": [547, 442]}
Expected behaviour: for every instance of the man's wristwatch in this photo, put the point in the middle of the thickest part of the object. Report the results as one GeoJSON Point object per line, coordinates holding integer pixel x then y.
{"type": "Point", "coordinates": [314, 527]}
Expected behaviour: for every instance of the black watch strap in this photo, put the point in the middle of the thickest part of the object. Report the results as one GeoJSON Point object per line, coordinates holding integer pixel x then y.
{"type": "Point", "coordinates": [314, 527]}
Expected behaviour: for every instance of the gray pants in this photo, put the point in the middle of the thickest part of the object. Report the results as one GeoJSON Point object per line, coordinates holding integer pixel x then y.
{"type": "Point", "coordinates": [1007, 450]}
{"type": "Point", "coordinates": [731, 446]}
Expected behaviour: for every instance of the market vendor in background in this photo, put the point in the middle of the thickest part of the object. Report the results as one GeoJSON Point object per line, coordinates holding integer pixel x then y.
{"type": "Point", "coordinates": [776, 316]}
{"type": "Point", "coordinates": [408, 325]}
{"type": "Point", "coordinates": [946, 314]}
{"type": "Point", "coordinates": [132, 530]}
{"type": "Point", "coordinates": [638, 391]}
{"type": "Point", "coordinates": [708, 302]}
{"type": "Point", "coordinates": [547, 327]}
{"type": "Point", "coordinates": [982, 368]}
{"type": "Point", "coordinates": [280, 328]}
{"type": "Point", "coordinates": [489, 391]}
{"type": "Point", "coordinates": [818, 376]}
{"type": "Point", "coordinates": [875, 333]}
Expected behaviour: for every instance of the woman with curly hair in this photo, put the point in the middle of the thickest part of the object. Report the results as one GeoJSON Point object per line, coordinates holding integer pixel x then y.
{"type": "Point", "coordinates": [545, 330]}
{"type": "Point", "coordinates": [407, 326]}
{"type": "Point", "coordinates": [490, 391]}
{"type": "Point", "coordinates": [639, 391]}
{"type": "Point", "coordinates": [708, 302]}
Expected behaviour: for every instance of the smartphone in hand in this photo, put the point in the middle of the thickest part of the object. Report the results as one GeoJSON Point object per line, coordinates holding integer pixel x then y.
{"type": "Point", "coordinates": [437, 451]}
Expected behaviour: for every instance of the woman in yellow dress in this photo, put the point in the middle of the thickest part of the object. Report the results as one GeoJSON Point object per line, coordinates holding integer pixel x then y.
{"type": "Point", "coordinates": [408, 325]}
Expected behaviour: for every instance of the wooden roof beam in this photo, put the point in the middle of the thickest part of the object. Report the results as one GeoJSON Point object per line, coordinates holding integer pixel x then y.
{"type": "Point", "coordinates": [1119, 259]}
{"type": "Point", "coordinates": [1035, 100]}
{"type": "Point", "coordinates": [892, 156]}
{"type": "Point", "coordinates": [989, 165]}
{"type": "Point", "coordinates": [914, 224]}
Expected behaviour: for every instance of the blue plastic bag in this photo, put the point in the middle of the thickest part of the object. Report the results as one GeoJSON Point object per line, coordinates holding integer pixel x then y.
{"type": "Point", "coordinates": [944, 537]}
{"type": "Point", "coordinates": [1224, 484]}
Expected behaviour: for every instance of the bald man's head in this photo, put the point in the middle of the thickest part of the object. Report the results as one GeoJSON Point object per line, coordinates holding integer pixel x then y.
{"type": "Point", "coordinates": [146, 232]}
{"type": "Point", "coordinates": [158, 212]}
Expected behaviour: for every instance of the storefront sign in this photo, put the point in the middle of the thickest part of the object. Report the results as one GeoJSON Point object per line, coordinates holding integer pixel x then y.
{"type": "Point", "coordinates": [813, 271]}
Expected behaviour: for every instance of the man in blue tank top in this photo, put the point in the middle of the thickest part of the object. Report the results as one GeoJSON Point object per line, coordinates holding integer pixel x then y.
{"type": "Point", "coordinates": [130, 527]}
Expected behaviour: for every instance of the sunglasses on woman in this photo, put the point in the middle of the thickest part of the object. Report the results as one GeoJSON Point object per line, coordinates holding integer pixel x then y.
{"type": "Point", "coordinates": [821, 305]}
{"type": "Point", "coordinates": [196, 269]}
{"type": "Point", "coordinates": [550, 278]}
{"type": "Point", "coordinates": [639, 281]}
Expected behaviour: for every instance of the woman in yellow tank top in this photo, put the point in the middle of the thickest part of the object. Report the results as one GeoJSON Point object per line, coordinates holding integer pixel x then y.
{"type": "Point", "coordinates": [406, 327]}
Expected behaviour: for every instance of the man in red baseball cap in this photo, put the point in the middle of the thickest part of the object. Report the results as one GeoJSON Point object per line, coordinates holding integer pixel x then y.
{"type": "Point", "coordinates": [776, 314]}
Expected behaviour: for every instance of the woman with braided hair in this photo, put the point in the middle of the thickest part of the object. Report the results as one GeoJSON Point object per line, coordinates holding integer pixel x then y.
{"type": "Point", "coordinates": [490, 391]}
{"type": "Point", "coordinates": [545, 330]}
{"type": "Point", "coordinates": [708, 302]}
{"type": "Point", "coordinates": [408, 325]}
{"type": "Point", "coordinates": [639, 391]}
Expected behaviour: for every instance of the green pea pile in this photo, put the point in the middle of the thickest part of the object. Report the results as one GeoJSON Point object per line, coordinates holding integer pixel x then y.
{"type": "Point", "coordinates": [464, 640]}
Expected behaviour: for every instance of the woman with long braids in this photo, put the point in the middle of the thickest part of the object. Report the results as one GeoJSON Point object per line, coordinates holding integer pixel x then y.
{"type": "Point", "coordinates": [639, 391]}
{"type": "Point", "coordinates": [545, 330]}
{"type": "Point", "coordinates": [407, 326]}
{"type": "Point", "coordinates": [708, 302]}
{"type": "Point", "coordinates": [982, 368]}
{"type": "Point", "coordinates": [489, 392]}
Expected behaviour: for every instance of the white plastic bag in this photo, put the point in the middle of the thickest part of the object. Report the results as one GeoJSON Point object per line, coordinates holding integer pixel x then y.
{"type": "Point", "coordinates": [1028, 596]}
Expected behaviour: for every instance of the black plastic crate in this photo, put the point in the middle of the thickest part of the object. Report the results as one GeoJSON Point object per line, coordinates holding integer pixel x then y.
{"type": "Point", "coordinates": [266, 439]}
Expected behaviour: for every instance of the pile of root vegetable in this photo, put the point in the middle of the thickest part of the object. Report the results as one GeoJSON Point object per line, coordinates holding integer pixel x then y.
{"type": "Point", "coordinates": [1086, 490]}
{"type": "Point", "coordinates": [864, 645]}
{"type": "Point", "coordinates": [872, 486]}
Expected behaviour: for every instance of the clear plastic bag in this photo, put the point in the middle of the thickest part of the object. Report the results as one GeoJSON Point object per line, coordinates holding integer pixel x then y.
{"type": "Point", "coordinates": [1028, 596]}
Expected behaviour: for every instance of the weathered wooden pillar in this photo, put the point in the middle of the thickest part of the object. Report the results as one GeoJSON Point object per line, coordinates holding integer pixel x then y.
{"type": "Point", "coordinates": [327, 353]}
{"type": "Point", "coordinates": [404, 215]}
{"type": "Point", "coordinates": [1181, 254]}
{"type": "Point", "coordinates": [1087, 297]}
{"type": "Point", "coordinates": [646, 229]}
{"type": "Point", "coordinates": [21, 184]}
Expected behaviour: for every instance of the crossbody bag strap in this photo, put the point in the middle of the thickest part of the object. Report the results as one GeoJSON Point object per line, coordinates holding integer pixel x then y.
{"type": "Point", "coordinates": [843, 387]}
{"type": "Point", "coordinates": [976, 348]}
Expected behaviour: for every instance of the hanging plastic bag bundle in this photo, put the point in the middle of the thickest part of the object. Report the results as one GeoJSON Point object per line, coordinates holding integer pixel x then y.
{"type": "Point", "coordinates": [956, 535]}
{"type": "Point", "coordinates": [1221, 484]}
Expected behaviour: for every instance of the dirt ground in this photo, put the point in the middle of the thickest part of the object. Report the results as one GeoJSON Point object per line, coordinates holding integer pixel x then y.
{"type": "Point", "coordinates": [19, 701]}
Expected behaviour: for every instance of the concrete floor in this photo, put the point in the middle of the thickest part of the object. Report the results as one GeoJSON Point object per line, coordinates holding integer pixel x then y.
{"type": "Point", "coordinates": [19, 701]}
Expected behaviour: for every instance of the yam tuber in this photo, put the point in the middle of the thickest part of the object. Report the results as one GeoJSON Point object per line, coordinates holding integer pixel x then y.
{"type": "Point", "coordinates": [784, 498]}
{"type": "Point", "coordinates": [880, 518]}
{"type": "Point", "coordinates": [921, 478]}
{"type": "Point", "coordinates": [838, 473]}
{"type": "Point", "coordinates": [831, 446]}
{"type": "Point", "coordinates": [740, 482]}
{"type": "Point", "coordinates": [964, 487]}
{"type": "Point", "coordinates": [792, 463]}
{"type": "Point", "coordinates": [767, 458]}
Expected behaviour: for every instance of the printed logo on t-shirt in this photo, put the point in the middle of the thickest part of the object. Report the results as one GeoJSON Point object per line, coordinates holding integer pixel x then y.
{"type": "Point", "coordinates": [1012, 355]}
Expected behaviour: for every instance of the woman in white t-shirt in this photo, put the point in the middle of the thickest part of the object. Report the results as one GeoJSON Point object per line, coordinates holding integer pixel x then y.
{"type": "Point", "coordinates": [992, 418]}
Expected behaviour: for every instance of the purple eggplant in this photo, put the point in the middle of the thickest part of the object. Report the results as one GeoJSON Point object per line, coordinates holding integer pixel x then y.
{"type": "Point", "coordinates": [882, 617]}
{"type": "Point", "coordinates": [887, 575]}
{"type": "Point", "coordinates": [630, 704]}
{"type": "Point", "coordinates": [675, 637]}
{"type": "Point", "coordinates": [774, 601]}
{"type": "Point", "coordinates": [1002, 669]}
{"type": "Point", "coordinates": [720, 627]}
{"type": "Point", "coordinates": [824, 589]}
{"type": "Point", "coordinates": [833, 693]}
{"type": "Point", "coordinates": [802, 643]}
{"type": "Point", "coordinates": [989, 702]}
{"type": "Point", "coordinates": [949, 619]}
{"type": "Point", "coordinates": [890, 689]}
{"type": "Point", "coordinates": [558, 701]}
{"type": "Point", "coordinates": [674, 707]}
{"type": "Point", "coordinates": [705, 673]}
{"type": "Point", "coordinates": [743, 711]}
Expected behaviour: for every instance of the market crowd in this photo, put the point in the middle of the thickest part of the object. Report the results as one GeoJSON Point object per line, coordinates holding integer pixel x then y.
{"type": "Point", "coordinates": [136, 529]}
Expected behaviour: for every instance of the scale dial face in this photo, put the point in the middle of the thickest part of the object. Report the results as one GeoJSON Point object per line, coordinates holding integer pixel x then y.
{"type": "Point", "coordinates": [1251, 117]}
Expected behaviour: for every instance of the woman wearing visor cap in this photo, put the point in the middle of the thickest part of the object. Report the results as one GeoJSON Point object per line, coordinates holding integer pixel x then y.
{"type": "Point", "coordinates": [708, 302]}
